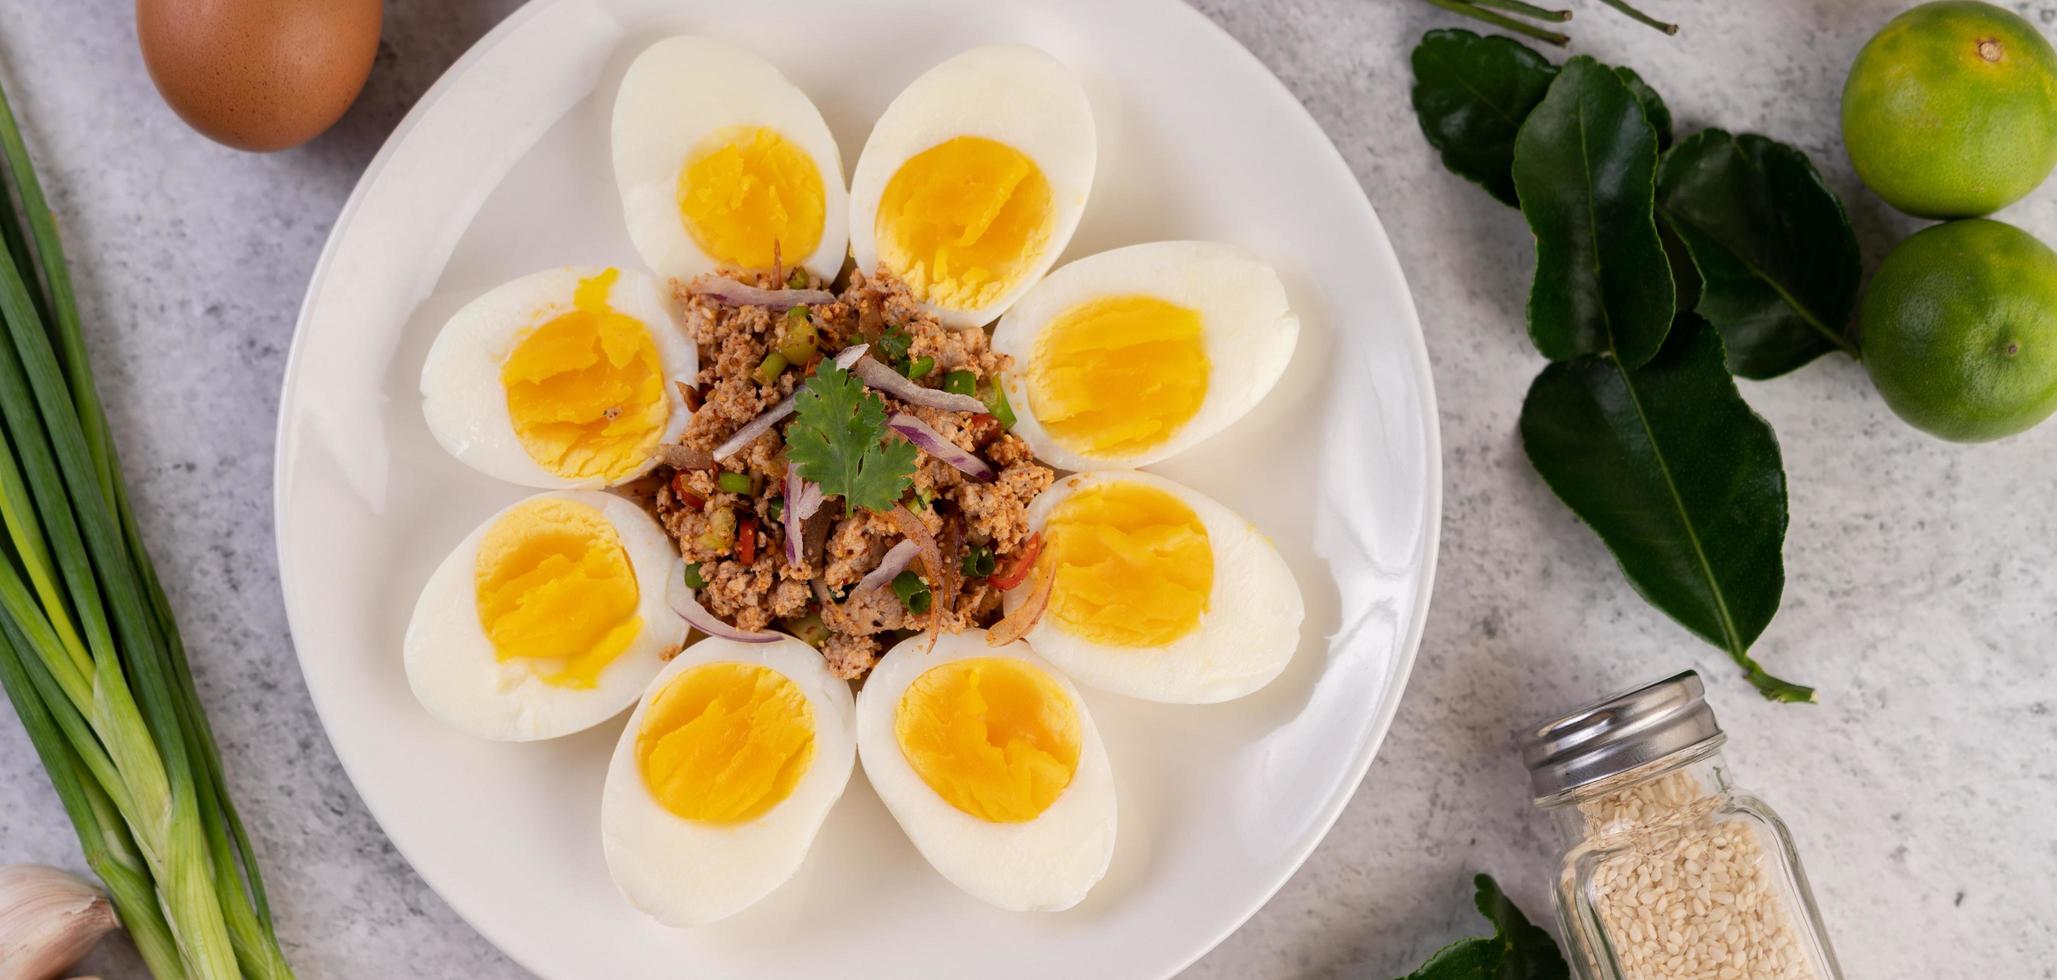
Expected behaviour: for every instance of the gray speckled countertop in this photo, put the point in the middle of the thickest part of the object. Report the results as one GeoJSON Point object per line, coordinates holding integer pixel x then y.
{"type": "Point", "coordinates": [1922, 577]}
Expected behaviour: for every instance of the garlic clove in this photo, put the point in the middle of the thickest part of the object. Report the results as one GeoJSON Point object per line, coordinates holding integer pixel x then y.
{"type": "Point", "coordinates": [49, 920]}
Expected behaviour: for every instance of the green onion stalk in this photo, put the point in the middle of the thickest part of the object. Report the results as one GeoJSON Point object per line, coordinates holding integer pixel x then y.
{"type": "Point", "coordinates": [1516, 16]}
{"type": "Point", "coordinates": [90, 654]}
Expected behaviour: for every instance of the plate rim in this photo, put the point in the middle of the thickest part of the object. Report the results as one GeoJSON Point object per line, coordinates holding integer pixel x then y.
{"type": "Point", "coordinates": [1415, 340]}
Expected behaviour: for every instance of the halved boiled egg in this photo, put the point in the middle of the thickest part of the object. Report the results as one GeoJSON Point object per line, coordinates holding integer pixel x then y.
{"type": "Point", "coordinates": [560, 379]}
{"type": "Point", "coordinates": [974, 179]}
{"type": "Point", "coordinates": [724, 776]}
{"type": "Point", "coordinates": [1160, 592]}
{"type": "Point", "coordinates": [1127, 357]}
{"type": "Point", "coordinates": [991, 764]}
{"type": "Point", "coordinates": [548, 618]}
{"type": "Point", "coordinates": [724, 164]}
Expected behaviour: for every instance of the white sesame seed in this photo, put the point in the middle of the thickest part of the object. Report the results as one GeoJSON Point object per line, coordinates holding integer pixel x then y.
{"type": "Point", "coordinates": [1687, 891]}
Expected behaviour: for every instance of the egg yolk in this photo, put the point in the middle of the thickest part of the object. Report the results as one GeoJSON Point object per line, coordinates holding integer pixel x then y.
{"type": "Point", "coordinates": [994, 737]}
{"type": "Point", "coordinates": [585, 391]}
{"type": "Point", "coordinates": [1134, 566]}
{"type": "Point", "coordinates": [555, 589]}
{"type": "Point", "coordinates": [723, 743]}
{"type": "Point", "coordinates": [963, 221]}
{"type": "Point", "coordinates": [1115, 376]}
{"type": "Point", "coordinates": [752, 198]}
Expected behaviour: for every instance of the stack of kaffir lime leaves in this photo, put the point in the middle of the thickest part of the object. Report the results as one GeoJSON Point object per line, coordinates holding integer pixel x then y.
{"type": "Point", "coordinates": [1664, 269]}
{"type": "Point", "coordinates": [89, 653]}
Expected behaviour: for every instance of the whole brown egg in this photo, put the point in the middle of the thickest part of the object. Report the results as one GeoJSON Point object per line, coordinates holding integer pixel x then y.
{"type": "Point", "coordinates": [259, 74]}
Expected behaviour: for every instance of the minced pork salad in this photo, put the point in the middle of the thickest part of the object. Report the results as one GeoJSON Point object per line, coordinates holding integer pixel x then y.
{"type": "Point", "coordinates": [847, 475]}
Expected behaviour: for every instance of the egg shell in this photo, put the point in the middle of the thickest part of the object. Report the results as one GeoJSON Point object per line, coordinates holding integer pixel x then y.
{"type": "Point", "coordinates": [684, 873]}
{"type": "Point", "coordinates": [1243, 641]}
{"type": "Point", "coordinates": [1042, 865]}
{"type": "Point", "coordinates": [465, 404]}
{"type": "Point", "coordinates": [1011, 93]}
{"type": "Point", "coordinates": [457, 676]}
{"type": "Point", "coordinates": [677, 92]}
{"type": "Point", "coordinates": [1248, 332]}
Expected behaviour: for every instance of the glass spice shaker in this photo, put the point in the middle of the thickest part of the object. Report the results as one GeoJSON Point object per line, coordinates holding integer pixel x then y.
{"type": "Point", "coordinates": [1672, 873]}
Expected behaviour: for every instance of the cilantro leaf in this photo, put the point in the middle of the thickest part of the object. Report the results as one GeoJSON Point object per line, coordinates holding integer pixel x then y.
{"type": "Point", "coordinates": [839, 439]}
{"type": "Point", "coordinates": [1518, 949]}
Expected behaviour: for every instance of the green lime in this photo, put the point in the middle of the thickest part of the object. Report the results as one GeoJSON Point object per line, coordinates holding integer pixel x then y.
{"type": "Point", "coordinates": [1960, 330]}
{"type": "Point", "coordinates": [1951, 110]}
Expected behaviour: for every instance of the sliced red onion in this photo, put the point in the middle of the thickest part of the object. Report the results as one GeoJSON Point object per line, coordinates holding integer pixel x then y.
{"type": "Point", "coordinates": [939, 571]}
{"type": "Point", "coordinates": [902, 387]}
{"type": "Point", "coordinates": [932, 442]}
{"type": "Point", "coordinates": [729, 292]}
{"type": "Point", "coordinates": [771, 416]}
{"type": "Point", "coordinates": [754, 428]}
{"type": "Point", "coordinates": [810, 497]}
{"type": "Point", "coordinates": [803, 498]}
{"type": "Point", "coordinates": [897, 558]}
{"type": "Point", "coordinates": [850, 355]}
{"type": "Point", "coordinates": [688, 607]}
{"type": "Point", "coordinates": [1016, 624]}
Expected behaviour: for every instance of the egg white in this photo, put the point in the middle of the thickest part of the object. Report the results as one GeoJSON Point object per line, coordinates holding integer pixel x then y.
{"type": "Point", "coordinates": [1242, 642]}
{"type": "Point", "coordinates": [1048, 863]}
{"type": "Point", "coordinates": [1009, 93]}
{"type": "Point", "coordinates": [462, 397]}
{"type": "Point", "coordinates": [1248, 331]}
{"type": "Point", "coordinates": [684, 873]}
{"type": "Point", "coordinates": [676, 93]}
{"type": "Point", "coordinates": [455, 674]}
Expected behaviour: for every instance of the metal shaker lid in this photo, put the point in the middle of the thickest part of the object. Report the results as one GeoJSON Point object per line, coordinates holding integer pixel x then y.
{"type": "Point", "coordinates": [1618, 734]}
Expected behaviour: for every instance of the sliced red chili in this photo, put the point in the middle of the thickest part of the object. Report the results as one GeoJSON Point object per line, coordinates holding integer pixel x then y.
{"type": "Point", "coordinates": [1015, 569]}
{"type": "Point", "coordinates": [684, 493]}
{"type": "Point", "coordinates": [746, 540]}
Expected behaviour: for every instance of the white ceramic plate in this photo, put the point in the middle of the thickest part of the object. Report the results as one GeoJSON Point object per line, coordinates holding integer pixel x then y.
{"type": "Point", "coordinates": [503, 169]}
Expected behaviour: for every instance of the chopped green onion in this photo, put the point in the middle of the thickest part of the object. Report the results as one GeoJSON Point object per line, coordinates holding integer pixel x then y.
{"type": "Point", "coordinates": [920, 367]}
{"type": "Point", "coordinates": [769, 369]}
{"type": "Point", "coordinates": [720, 535]}
{"type": "Point", "coordinates": [733, 482]}
{"type": "Point", "coordinates": [798, 341]}
{"type": "Point", "coordinates": [997, 404]}
{"type": "Point", "coordinates": [961, 382]}
{"type": "Point", "coordinates": [913, 593]}
{"type": "Point", "coordinates": [775, 508]}
{"type": "Point", "coordinates": [809, 629]}
{"type": "Point", "coordinates": [799, 314]}
{"type": "Point", "coordinates": [979, 562]}
{"type": "Point", "coordinates": [798, 278]}
{"type": "Point", "coordinates": [693, 579]}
